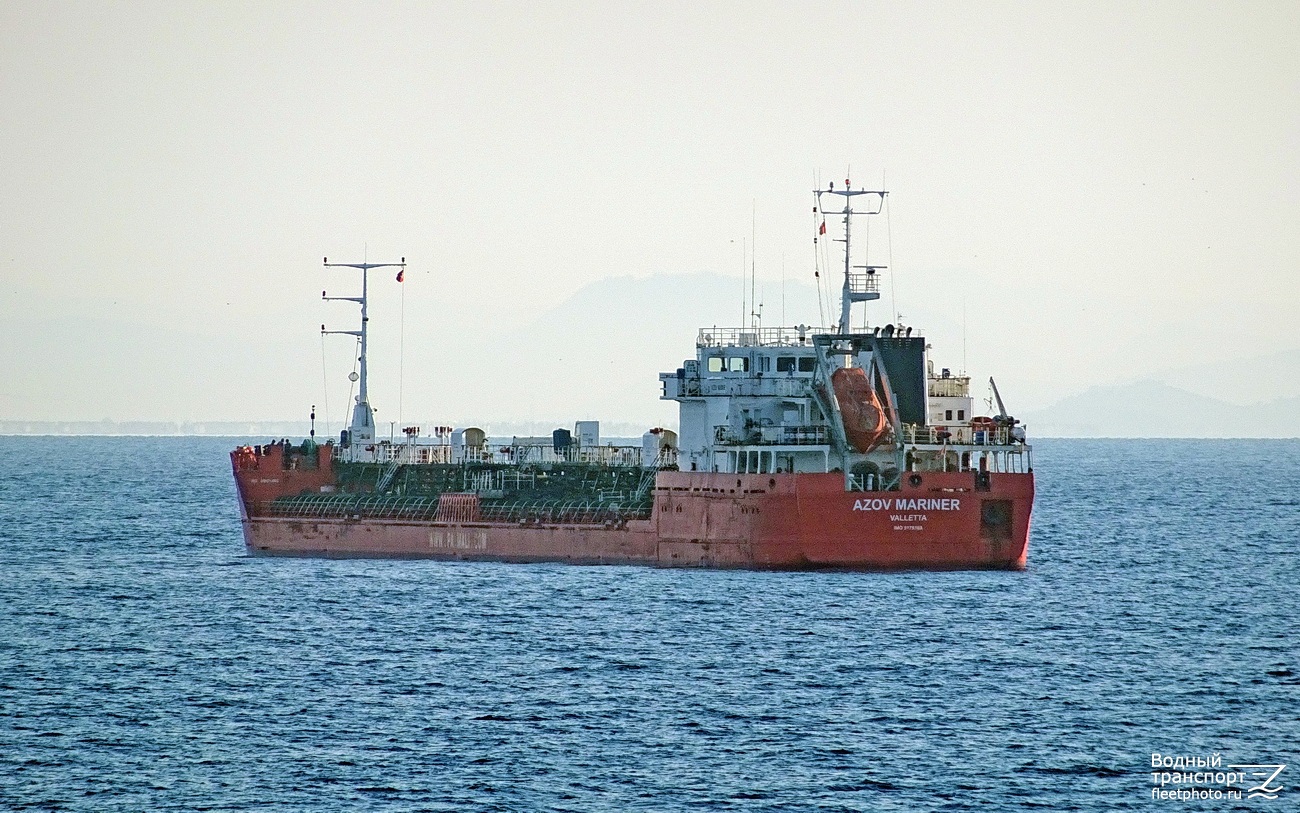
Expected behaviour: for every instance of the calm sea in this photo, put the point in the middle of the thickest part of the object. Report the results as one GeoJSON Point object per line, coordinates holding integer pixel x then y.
{"type": "Point", "coordinates": [148, 664]}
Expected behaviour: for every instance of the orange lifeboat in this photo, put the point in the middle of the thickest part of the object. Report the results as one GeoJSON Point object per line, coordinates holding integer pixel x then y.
{"type": "Point", "coordinates": [865, 423]}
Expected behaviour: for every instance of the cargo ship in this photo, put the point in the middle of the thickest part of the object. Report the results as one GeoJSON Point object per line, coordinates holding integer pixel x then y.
{"type": "Point", "coordinates": [797, 448]}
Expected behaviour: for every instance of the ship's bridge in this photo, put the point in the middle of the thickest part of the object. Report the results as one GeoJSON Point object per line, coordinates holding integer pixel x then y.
{"type": "Point", "coordinates": [809, 399]}
{"type": "Point", "coordinates": [747, 402]}
{"type": "Point", "coordinates": [760, 400]}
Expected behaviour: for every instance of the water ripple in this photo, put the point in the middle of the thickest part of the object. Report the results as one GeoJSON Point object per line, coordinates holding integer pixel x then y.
{"type": "Point", "coordinates": [147, 664]}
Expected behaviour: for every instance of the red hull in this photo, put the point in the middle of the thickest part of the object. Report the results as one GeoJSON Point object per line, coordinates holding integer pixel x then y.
{"type": "Point", "coordinates": [938, 521]}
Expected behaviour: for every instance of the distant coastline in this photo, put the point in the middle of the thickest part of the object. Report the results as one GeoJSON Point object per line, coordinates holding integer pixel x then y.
{"type": "Point", "coordinates": [295, 430]}
{"type": "Point", "coordinates": [288, 429]}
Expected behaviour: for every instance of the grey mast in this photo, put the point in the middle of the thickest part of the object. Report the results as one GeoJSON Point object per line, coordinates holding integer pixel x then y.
{"type": "Point", "coordinates": [861, 285]}
{"type": "Point", "coordinates": [360, 443]}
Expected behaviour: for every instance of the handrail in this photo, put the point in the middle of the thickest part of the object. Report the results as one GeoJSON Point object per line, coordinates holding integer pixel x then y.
{"type": "Point", "coordinates": [958, 435]}
{"type": "Point", "coordinates": [757, 336]}
{"type": "Point", "coordinates": [773, 436]}
{"type": "Point", "coordinates": [417, 454]}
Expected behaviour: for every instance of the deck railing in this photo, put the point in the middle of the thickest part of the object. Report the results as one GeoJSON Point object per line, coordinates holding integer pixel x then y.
{"type": "Point", "coordinates": [951, 387]}
{"type": "Point", "coordinates": [773, 436]}
{"type": "Point", "coordinates": [958, 435]}
{"type": "Point", "coordinates": [757, 336]}
{"type": "Point", "coordinates": [864, 282]}
{"type": "Point", "coordinates": [518, 453]}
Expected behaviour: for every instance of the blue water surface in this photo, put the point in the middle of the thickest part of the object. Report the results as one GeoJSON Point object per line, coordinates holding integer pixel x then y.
{"type": "Point", "coordinates": [148, 663]}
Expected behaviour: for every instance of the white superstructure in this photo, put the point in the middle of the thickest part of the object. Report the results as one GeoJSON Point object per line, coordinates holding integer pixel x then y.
{"type": "Point", "coordinates": [747, 402]}
{"type": "Point", "coordinates": [762, 400]}
{"type": "Point", "coordinates": [949, 404]}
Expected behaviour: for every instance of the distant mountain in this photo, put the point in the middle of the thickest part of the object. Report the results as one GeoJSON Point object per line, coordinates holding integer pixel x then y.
{"type": "Point", "coordinates": [1241, 378]}
{"type": "Point", "coordinates": [593, 354]}
{"type": "Point", "coordinates": [1152, 409]}
{"type": "Point", "coordinates": [598, 353]}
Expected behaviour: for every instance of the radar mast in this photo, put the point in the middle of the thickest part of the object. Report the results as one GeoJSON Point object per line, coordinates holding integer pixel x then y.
{"type": "Point", "coordinates": [361, 432]}
{"type": "Point", "coordinates": [861, 283]}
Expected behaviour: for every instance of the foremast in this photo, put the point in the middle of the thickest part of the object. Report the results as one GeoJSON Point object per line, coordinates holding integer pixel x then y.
{"type": "Point", "coordinates": [861, 283]}
{"type": "Point", "coordinates": [360, 441]}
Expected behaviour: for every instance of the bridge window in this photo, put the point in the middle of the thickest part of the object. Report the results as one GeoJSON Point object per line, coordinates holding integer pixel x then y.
{"type": "Point", "coordinates": [807, 364]}
{"type": "Point", "coordinates": [785, 364]}
{"type": "Point", "coordinates": [961, 414]}
{"type": "Point", "coordinates": [715, 364]}
{"type": "Point", "coordinates": [738, 364]}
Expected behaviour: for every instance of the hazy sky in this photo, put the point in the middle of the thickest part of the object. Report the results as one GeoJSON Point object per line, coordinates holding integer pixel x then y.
{"type": "Point", "coordinates": [1106, 188]}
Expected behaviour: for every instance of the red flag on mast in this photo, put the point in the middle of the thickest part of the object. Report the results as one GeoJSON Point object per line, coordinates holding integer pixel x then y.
{"type": "Point", "coordinates": [401, 275]}
{"type": "Point", "coordinates": [822, 230]}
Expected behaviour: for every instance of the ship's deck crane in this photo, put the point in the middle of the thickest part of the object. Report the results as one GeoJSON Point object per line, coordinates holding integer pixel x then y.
{"type": "Point", "coordinates": [1003, 419]}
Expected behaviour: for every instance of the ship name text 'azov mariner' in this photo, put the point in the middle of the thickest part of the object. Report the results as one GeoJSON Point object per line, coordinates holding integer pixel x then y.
{"type": "Point", "coordinates": [799, 448]}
